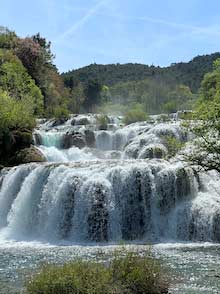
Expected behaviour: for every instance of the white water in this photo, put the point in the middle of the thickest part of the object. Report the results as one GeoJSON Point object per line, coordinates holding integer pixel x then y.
{"type": "Point", "coordinates": [115, 190]}
{"type": "Point", "coordinates": [117, 187]}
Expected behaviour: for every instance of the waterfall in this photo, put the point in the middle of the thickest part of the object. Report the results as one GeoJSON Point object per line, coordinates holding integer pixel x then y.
{"type": "Point", "coordinates": [82, 194]}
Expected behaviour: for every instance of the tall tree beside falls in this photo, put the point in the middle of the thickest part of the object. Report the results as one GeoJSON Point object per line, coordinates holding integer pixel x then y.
{"type": "Point", "coordinates": [36, 56]}
{"type": "Point", "coordinates": [93, 91]}
{"type": "Point", "coordinates": [8, 39]}
{"type": "Point", "coordinates": [15, 80]}
{"type": "Point", "coordinates": [205, 152]}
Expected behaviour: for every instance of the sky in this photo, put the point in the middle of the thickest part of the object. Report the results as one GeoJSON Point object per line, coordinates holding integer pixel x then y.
{"type": "Point", "coordinates": [158, 32]}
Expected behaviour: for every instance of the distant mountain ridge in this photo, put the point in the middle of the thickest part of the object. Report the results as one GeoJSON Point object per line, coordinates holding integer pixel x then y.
{"type": "Point", "coordinates": [188, 73]}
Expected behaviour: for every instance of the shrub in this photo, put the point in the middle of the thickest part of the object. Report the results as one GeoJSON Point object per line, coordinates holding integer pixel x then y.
{"type": "Point", "coordinates": [15, 114]}
{"type": "Point", "coordinates": [134, 115]}
{"type": "Point", "coordinates": [130, 274]}
{"type": "Point", "coordinates": [173, 145]}
{"type": "Point", "coordinates": [60, 112]}
{"type": "Point", "coordinates": [102, 121]}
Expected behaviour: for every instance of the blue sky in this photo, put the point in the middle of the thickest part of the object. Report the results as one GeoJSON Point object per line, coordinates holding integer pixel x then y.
{"type": "Point", "coordinates": [82, 32]}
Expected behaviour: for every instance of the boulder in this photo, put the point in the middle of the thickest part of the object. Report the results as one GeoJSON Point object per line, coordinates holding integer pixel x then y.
{"type": "Point", "coordinates": [153, 151]}
{"type": "Point", "coordinates": [73, 122]}
{"type": "Point", "coordinates": [31, 154]}
{"type": "Point", "coordinates": [59, 121]}
{"type": "Point", "coordinates": [21, 139]}
{"type": "Point", "coordinates": [82, 121]}
{"type": "Point", "coordinates": [76, 140]}
{"type": "Point", "coordinates": [90, 138]}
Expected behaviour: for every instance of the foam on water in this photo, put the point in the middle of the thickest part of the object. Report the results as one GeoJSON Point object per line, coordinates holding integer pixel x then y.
{"type": "Point", "coordinates": [112, 185]}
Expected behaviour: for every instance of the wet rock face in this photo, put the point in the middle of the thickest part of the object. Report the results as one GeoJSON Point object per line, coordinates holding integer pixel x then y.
{"type": "Point", "coordinates": [38, 139]}
{"type": "Point", "coordinates": [98, 218]}
{"type": "Point", "coordinates": [90, 138]}
{"type": "Point", "coordinates": [215, 228]}
{"type": "Point", "coordinates": [75, 139]}
{"type": "Point", "coordinates": [153, 152]}
{"type": "Point", "coordinates": [21, 139]}
{"type": "Point", "coordinates": [82, 121]}
{"type": "Point", "coordinates": [11, 143]}
{"type": "Point", "coordinates": [59, 121]}
{"type": "Point", "coordinates": [28, 155]}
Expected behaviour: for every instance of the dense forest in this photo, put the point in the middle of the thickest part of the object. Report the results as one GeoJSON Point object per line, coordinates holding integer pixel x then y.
{"type": "Point", "coordinates": [190, 74]}
{"type": "Point", "coordinates": [157, 89]}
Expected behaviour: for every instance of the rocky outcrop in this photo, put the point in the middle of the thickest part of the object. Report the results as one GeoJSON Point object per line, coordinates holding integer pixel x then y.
{"type": "Point", "coordinates": [31, 154]}
{"type": "Point", "coordinates": [82, 121]}
{"type": "Point", "coordinates": [59, 121]}
{"type": "Point", "coordinates": [90, 138]}
{"type": "Point", "coordinates": [12, 142]}
{"type": "Point", "coordinates": [153, 151]}
{"type": "Point", "coordinates": [37, 138]}
{"type": "Point", "coordinates": [75, 139]}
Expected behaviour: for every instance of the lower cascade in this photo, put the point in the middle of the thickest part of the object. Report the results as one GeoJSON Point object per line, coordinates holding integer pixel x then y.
{"type": "Point", "coordinates": [114, 186]}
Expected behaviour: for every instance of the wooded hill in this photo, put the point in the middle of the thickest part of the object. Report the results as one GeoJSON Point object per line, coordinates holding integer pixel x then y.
{"type": "Point", "coordinates": [157, 89]}
{"type": "Point", "coordinates": [187, 73]}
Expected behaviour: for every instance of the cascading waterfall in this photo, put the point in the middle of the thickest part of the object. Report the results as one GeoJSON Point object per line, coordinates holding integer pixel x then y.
{"type": "Point", "coordinates": [83, 194]}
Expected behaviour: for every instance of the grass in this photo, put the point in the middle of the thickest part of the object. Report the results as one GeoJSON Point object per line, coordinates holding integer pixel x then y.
{"type": "Point", "coordinates": [127, 273]}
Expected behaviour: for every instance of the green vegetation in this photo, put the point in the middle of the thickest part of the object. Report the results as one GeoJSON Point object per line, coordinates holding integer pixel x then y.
{"type": "Point", "coordinates": [173, 145]}
{"type": "Point", "coordinates": [30, 87]}
{"type": "Point", "coordinates": [130, 274]}
{"type": "Point", "coordinates": [102, 121]}
{"type": "Point", "coordinates": [158, 89]}
{"type": "Point", "coordinates": [189, 74]}
{"type": "Point", "coordinates": [15, 113]}
{"type": "Point", "coordinates": [205, 153]}
{"type": "Point", "coordinates": [135, 114]}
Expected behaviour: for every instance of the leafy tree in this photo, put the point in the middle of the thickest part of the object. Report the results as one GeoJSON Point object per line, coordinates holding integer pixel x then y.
{"type": "Point", "coordinates": [205, 152]}
{"type": "Point", "coordinates": [15, 80]}
{"type": "Point", "coordinates": [7, 38]}
{"type": "Point", "coordinates": [76, 97]}
{"type": "Point", "coordinates": [92, 95]}
{"type": "Point", "coordinates": [15, 114]}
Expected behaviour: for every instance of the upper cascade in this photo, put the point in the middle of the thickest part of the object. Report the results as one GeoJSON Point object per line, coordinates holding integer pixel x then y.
{"type": "Point", "coordinates": [107, 183]}
{"type": "Point", "coordinates": [83, 137]}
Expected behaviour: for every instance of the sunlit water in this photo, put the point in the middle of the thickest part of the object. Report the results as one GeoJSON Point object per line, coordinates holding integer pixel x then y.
{"type": "Point", "coordinates": [116, 188]}
{"type": "Point", "coordinates": [193, 268]}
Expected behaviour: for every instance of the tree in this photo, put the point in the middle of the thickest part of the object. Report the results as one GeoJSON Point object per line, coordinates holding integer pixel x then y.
{"type": "Point", "coordinates": [92, 95]}
{"type": "Point", "coordinates": [7, 38]}
{"type": "Point", "coordinates": [15, 80]}
{"type": "Point", "coordinates": [205, 151]}
{"type": "Point", "coordinates": [15, 114]}
{"type": "Point", "coordinates": [35, 54]}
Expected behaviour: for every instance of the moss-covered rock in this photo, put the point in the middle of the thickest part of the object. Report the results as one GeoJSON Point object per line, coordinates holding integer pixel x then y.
{"type": "Point", "coordinates": [90, 138]}
{"type": "Point", "coordinates": [11, 142]}
{"type": "Point", "coordinates": [75, 139]}
{"type": "Point", "coordinates": [31, 154]}
{"type": "Point", "coordinates": [22, 139]}
{"type": "Point", "coordinates": [153, 151]}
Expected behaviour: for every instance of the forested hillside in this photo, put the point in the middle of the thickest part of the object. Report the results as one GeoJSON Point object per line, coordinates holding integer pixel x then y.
{"type": "Point", "coordinates": [190, 74]}
{"type": "Point", "coordinates": [157, 89]}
